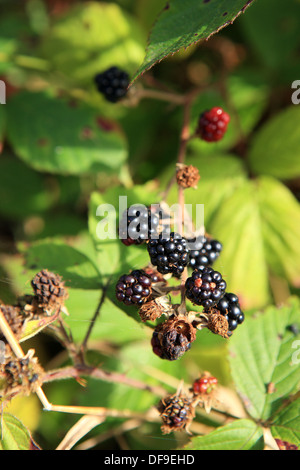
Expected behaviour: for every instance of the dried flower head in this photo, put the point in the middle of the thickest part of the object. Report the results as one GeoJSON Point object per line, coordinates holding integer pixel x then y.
{"type": "Point", "coordinates": [217, 323]}
{"type": "Point", "coordinates": [49, 290]}
{"type": "Point", "coordinates": [187, 176]}
{"type": "Point", "coordinates": [20, 376]}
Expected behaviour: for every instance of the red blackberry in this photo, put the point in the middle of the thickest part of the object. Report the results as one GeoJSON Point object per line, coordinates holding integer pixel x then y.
{"type": "Point", "coordinates": [134, 288]}
{"type": "Point", "coordinates": [213, 124]}
{"type": "Point", "coordinates": [205, 287]}
{"type": "Point", "coordinates": [205, 385]}
{"type": "Point", "coordinates": [138, 224]}
{"type": "Point", "coordinates": [204, 253]}
{"type": "Point", "coordinates": [169, 255]}
{"type": "Point", "coordinates": [230, 308]}
{"type": "Point", "coordinates": [112, 83]}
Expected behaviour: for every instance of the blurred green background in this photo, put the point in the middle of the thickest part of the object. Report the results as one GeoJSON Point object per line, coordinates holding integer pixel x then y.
{"type": "Point", "coordinates": [65, 150]}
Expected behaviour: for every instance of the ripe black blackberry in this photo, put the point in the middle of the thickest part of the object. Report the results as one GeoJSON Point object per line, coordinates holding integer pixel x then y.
{"type": "Point", "coordinates": [230, 308]}
{"type": "Point", "coordinates": [112, 83]}
{"type": "Point", "coordinates": [205, 252]}
{"type": "Point", "coordinates": [134, 288]}
{"type": "Point", "coordinates": [169, 255]}
{"type": "Point", "coordinates": [137, 225]}
{"type": "Point", "coordinates": [205, 287]}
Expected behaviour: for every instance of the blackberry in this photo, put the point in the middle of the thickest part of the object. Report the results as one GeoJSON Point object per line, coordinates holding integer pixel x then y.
{"type": "Point", "coordinates": [205, 252]}
{"type": "Point", "coordinates": [112, 83]}
{"type": "Point", "coordinates": [169, 255]}
{"type": "Point", "coordinates": [213, 124]}
{"type": "Point", "coordinates": [205, 287]}
{"type": "Point", "coordinates": [176, 411]}
{"type": "Point", "coordinates": [134, 288]}
{"type": "Point", "coordinates": [138, 224]}
{"type": "Point", "coordinates": [230, 308]}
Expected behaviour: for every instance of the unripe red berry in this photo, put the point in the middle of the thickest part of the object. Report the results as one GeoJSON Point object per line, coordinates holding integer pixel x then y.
{"type": "Point", "coordinates": [213, 124]}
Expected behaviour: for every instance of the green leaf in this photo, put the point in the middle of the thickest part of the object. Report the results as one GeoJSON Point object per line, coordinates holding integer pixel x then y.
{"type": "Point", "coordinates": [92, 37]}
{"type": "Point", "coordinates": [14, 435]}
{"type": "Point", "coordinates": [185, 22]}
{"type": "Point", "coordinates": [261, 237]}
{"type": "Point", "coordinates": [261, 353]}
{"type": "Point", "coordinates": [24, 191]}
{"type": "Point", "coordinates": [286, 425]}
{"type": "Point", "coordinates": [272, 152]}
{"type": "Point", "coordinates": [56, 136]}
{"type": "Point", "coordinates": [273, 34]}
{"type": "Point", "coordinates": [280, 222]}
{"type": "Point", "coordinates": [242, 434]}
{"type": "Point", "coordinates": [112, 324]}
{"type": "Point", "coordinates": [242, 262]}
{"type": "Point", "coordinates": [77, 270]}
{"type": "Point", "coordinates": [214, 186]}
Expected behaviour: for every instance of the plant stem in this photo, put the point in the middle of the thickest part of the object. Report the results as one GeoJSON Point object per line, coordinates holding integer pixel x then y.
{"type": "Point", "coordinates": [100, 374]}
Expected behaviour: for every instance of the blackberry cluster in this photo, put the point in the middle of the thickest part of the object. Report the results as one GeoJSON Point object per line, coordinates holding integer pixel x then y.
{"type": "Point", "coordinates": [205, 287]}
{"type": "Point", "coordinates": [169, 255]}
{"type": "Point", "coordinates": [205, 252]}
{"type": "Point", "coordinates": [134, 288]}
{"type": "Point", "coordinates": [213, 124]}
{"type": "Point", "coordinates": [138, 224]}
{"type": "Point", "coordinates": [112, 83]}
{"type": "Point", "coordinates": [230, 308]}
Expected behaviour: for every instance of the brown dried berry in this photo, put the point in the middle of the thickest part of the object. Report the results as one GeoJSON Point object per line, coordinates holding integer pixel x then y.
{"type": "Point", "coordinates": [173, 338]}
{"type": "Point", "coordinates": [49, 290]}
{"type": "Point", "coordinates": [177, 412]}
{"type": "Point", "coordinates": [20, 375]}
{"type": "Point", "coordinates": [187, 176]}
{"type": "Point", "coordinates": [217, 323]}
{"type": "Point", "coordinates": [150, 311]}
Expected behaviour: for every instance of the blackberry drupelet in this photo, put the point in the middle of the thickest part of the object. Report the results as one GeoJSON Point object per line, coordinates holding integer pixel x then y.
{"type": "Point", "coordinates": [213, 124]}
{"type": "Point", "coordinates": [134, 288]}
{"type": "Point", "coordinates": [205, 287]}
{"type": "Point", "coordinates": [169, 255]}
{"type": "Point", "coordinates": [137, 225]}
{"type": "Point", "coordinates": [230, 308]}
{"type": "Point", "coordinates": [112, 83]}
{"type": "Point", "coordinates": [205, 252]}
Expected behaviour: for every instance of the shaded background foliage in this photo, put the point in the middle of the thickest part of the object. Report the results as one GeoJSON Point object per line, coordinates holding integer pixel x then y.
{"type": "Point", "coordinates": [65, 150]}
